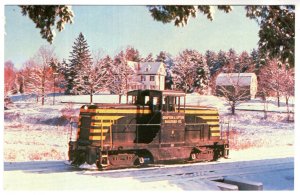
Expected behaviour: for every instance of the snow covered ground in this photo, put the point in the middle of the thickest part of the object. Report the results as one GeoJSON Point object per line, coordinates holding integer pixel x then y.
{"type": "Point", "coordinates": [40, 133]}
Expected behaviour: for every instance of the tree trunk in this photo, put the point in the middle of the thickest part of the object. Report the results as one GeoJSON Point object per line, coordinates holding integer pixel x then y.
{"type": "Point", "coordinates": [91, 97]}
{"type": "Point", "coordinates": [265, 106]}
{"type": "Point", "coordinates": [233, 108]}
{"type": "Point", "coordinates": [287, 108]}
{"type": "Point", "coordinates": [43, 98]}
{"type": "Point", "coordinates": [43, 86]}
{"type": "Point", "coordinates": [278, 99]}
{"type": "Point", "coordinates": [120, 98]}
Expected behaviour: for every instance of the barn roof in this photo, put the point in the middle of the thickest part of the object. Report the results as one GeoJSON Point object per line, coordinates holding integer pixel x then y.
{"type": "Point", "coordinates": [242, 79]}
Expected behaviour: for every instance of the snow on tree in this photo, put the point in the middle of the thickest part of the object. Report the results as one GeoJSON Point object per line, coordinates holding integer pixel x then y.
{"type": "Point", "coordinates": [277, 30]}
{"type": "Point", "coordinates": [24, 76]}
{"type": "Point", "coordinates": [99, 75]}
{"type": "Point", "coordinates": [277, 79]}
{"type": "Point", "coordinates": [59, 69]}
{"type": "Point", "coordinates": [47, 16]}
{"type": "Point", "coordinates": [190, 71]}
{"type": "Point", "coordinates": [232, 60]}
{"type": "Point", "coordinates": [79, 61]}
{"type": "Point", "coordinates": [132, 54]}
{"type": "Point", "coordinates": [232, 87]}
{"type": "Point", "coordinates": [166, 58]}
{"type": "Point", "coordinates": [180, 14]}
{"type": "Point", "coordinates": [149, 58]}
{"type": "Point", "coordinates": [256, 61]}
{"type": "Point", "coordinates": [288, 89]}
{"type": "Point", "coordinates": [40, 79]}
{"type": "Point", "coordinates": [122, 75]}
{"type": "Point", "coordinates": [245, 62]}
{"type": "Point", "coordinates": [277, 24]}
{"type": "Point", "coordinates": [222, 60]}
{"type": "Point", "coordinates": [10, 78]}
{"type": "Point", "coordinates": [214, 66]}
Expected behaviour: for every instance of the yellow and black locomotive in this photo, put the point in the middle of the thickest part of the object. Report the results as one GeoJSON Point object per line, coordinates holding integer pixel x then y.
{"type": "Point", "coordinates": [152, 127]}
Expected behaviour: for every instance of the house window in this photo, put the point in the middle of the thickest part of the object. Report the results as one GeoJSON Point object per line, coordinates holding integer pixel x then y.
{"type": "Point", "coordinates": [152, 78]}
{"type": "Point", "coordinates": [143, 78]}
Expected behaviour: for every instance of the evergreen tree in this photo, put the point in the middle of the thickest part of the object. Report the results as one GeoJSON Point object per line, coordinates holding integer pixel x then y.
{"type": "Point", "coordinates": [244, 63]}
{"type": "Point", "coordinates": [99, 76]}
{"type": "Point", "coordinates": [48, 17]}
{"type": "Point", "coordinates": [222, 59]}
{"type": "Point", "coordinates": [149, 58]}
{"type": "Point", "coordinates": [231, 61]}
{"type": "Point", "coordinates": [257, 63]}
{"type": "Point", "coordinates": [166, 58]}
{"type": "Point", "coordinates": [190, 71]}
{"type": "Point", "coordinates": [277, 31]}
{"type": "Point", "coordinates": [132, 54]}
{"type": "Point", "coordinates": [80, 61]}
{"type": "Point", "coordinates": [211, 60]}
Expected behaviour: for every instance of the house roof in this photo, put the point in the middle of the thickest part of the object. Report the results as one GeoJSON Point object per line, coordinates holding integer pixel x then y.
{"type": "Point", "coordinates": [242, 79]}
{"type": "Point", "coordinates": [148, 67]}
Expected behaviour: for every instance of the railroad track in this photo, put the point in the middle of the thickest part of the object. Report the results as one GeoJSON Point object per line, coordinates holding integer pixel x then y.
{"type": "Point", "coordinates": [186, 173]}
{"type": "Point", "coordinates": [204, 170]}
{"type": "Point", "coordinates": [179, 174]}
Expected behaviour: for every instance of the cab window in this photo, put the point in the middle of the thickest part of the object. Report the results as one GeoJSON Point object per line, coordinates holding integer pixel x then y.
{"type": "Point", "coordinates": [169, 103]}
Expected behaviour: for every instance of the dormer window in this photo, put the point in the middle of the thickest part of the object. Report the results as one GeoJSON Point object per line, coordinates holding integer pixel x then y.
{"type": "Point", "coordinates": [148, 68]}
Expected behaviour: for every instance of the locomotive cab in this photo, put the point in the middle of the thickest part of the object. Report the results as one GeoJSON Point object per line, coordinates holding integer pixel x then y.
{"type": "Point", "coordinates": [158, 101]}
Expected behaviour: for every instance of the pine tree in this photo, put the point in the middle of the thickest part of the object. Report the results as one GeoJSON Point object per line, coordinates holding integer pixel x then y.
{"type": "Point", "coordinates": [231, 61]}
{"type": "Point", "coordinates": [257, 62]}
{"type": "Point", "coordinates": [190, 71]}
{"type": "Point", "coordinates": [149, 58]}
{"type": "Point", "coordinates": [132, 54]}
{"type": "Point", "coordinates": [245, 63]}
{"type": "Point", "coordinates": [99, 76]}
{"type": "Point", "coordinates": [211, 60]}
{"type": "Point", "coordinates": [59, 73]}
{"type": "Point", "coordinates": [166, 58]}
{"type": "Point", "coordinates": [79, 62]}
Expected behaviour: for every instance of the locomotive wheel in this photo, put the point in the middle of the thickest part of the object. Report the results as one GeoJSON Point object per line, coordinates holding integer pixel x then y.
{"type": "Point", "coordinates": [202, 154]}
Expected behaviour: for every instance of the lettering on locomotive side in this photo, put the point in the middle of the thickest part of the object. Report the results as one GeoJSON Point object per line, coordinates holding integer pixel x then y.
{"type": "Point", "coordinates": [173, 119]}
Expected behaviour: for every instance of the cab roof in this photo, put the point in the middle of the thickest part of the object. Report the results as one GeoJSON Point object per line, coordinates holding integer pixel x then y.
{"type": "Point", "coordinates": [158, 92]}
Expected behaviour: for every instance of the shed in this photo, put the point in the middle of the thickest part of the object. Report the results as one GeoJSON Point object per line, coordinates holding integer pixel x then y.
{"type": "Point", "coordinates": [246, 81]}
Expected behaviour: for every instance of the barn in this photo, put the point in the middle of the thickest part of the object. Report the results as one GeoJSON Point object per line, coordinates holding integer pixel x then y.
{"type": "Point", "coordinates": [246, 83]}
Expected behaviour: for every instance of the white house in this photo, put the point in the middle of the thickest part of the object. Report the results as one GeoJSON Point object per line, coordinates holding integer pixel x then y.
{"type": "Point", "coordinates": [149, 75]}
{"type": "Point", "coordinates": [247, 81]}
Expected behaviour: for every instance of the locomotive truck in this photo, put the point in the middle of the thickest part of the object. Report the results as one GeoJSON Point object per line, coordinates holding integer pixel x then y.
{"type": "Point", "coordinates": [152, 127]}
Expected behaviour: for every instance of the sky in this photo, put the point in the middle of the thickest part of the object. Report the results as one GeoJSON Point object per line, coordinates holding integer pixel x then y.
{"type": "Point", "coordinates": [113, 28]}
